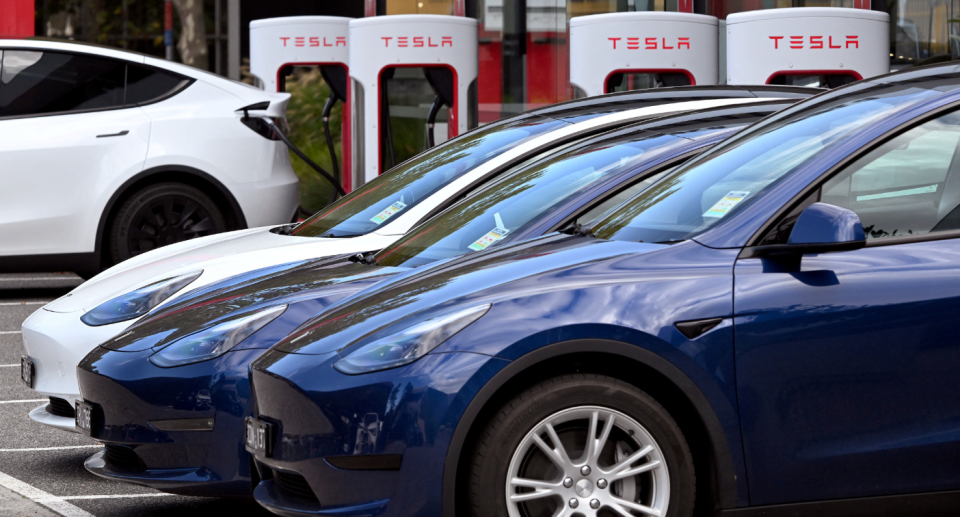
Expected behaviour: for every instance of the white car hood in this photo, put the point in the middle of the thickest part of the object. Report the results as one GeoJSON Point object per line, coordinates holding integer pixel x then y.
{"type": "Point", "coordinates": [221, 257]}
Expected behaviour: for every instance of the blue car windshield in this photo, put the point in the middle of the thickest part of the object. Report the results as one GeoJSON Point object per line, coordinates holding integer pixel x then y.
{"type": "Point", "coordinates": [723, 181]}
{"type": "Point", "coordinates": [400, 189]}
{"type": "Point", "coordinates": [517, 199]}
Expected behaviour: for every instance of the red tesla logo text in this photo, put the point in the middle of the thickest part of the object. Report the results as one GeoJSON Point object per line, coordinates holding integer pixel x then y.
{"type": "Point", "coordinates": [814, 42]}
{"type": "Point", "coordinates": [417, 41]}
{"type": "Point", "coordinates": [650, 43]}
{"type": "Point", "coordinates": [314, 41]}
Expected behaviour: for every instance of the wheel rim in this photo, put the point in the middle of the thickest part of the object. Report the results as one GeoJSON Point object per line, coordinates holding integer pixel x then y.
{"type": "Point", "coordinates": [588, 461]}
{"type": "Point", "coordinates": [165, 220]}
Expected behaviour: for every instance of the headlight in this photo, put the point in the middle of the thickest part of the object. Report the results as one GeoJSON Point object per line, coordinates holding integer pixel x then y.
{"type": "Point", "coordinates": [410, 344]}
{"type": "Point", "coordinates": [137, 303]}
{"type": "Point", "coordinates": [214, 341]}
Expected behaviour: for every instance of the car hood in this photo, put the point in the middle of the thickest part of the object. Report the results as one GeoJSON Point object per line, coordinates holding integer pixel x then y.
{"type": "Point", "coordinates": [218, 256]}
{"type": "Point", "coordinates": [305, 287]}
{"type": "Point", "coordinates": [511, 271]}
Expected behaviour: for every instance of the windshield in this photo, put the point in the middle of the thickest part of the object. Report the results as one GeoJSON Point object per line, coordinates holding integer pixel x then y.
{"type": "Point", "coordinates": [376, 203]}
{"type": "Point", "coordinates": [701, 194]}
{"type": "Point", "coordinates": [504, 207]}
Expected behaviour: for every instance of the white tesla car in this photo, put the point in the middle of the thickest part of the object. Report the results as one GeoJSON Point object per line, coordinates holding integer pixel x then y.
{"type": "Point", "coordinates": [61, 333]}
{"type": "Point", "coordinates": [105, 154]}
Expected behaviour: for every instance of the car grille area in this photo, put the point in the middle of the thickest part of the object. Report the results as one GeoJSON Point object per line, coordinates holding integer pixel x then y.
{"type": "Point", "coordinates": [124, 458]}
{"type": "Point", "coordinates": [60, 407]}
{"type": "Point", "coordinates": [294, 484]}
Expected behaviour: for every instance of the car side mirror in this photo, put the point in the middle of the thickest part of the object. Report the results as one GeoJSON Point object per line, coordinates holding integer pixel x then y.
{"type": "Point", "coordinates": [821, 228]}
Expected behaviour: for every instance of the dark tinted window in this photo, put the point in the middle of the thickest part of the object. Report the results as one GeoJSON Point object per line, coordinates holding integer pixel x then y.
{"type": "Point", "coordinates": [907, 186]}
{"type": "Point", "coordinates": [705, 191]}
{"type": "Point", "coordinates": [145, 85]}
{"type": "Point", "coordinates": [34, 83]}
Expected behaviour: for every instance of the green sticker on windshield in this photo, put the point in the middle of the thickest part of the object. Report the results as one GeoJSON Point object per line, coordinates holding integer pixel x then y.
{"type": "Point", "coordinates": [388, 212]}
{"type": "Point", "coordinates": [491, 237]}
{"type": "Point", "coordinates": [726, 204]}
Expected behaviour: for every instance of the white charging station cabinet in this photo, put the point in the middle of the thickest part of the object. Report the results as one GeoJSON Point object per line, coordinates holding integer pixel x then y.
{"type": "Point", "coordinates": [276, 43]}
{"type": "Point", "coordinates": [279, 43]}
{"type": "Point", "coordinates": [381, 43]}
{"type": "Point", "coordinates": [681, 46]}
{"type": "Point", "coordinates": [781, 46]}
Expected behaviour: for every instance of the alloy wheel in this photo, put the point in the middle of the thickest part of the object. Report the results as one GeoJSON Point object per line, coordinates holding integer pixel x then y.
{"type": "Point", "coordinates": [166, 220]}
{"type": "Point", "coordinates": [588, 461]}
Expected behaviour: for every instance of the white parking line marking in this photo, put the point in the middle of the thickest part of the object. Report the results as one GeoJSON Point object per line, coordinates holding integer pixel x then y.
{"type": "Point", "coordinates": [8, 365]}
{"type": "Point", "coordinates": [4, 332]}
{"type": "Point", "coordinates": [19, 401]}
{"type": "Point", "coordinates": [8, 304]}
{"type": "Point", "coordinates": [118, 496]}
{"type": "Point", "coordinates": [65, 447]}
{"type": "Point", "coordinates": [52, 502]}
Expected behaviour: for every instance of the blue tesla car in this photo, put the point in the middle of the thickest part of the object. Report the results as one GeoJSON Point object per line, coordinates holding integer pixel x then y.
{"type": "Point", "coordinates": [766, 330]}
{"type": "Point", "coordinates": [168, 396]}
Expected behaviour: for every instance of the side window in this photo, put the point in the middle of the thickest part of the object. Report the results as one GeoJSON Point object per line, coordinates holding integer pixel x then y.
{"type": "Point", "coordinates": [145, 85]}
{"type": "Point", "coordinates": [908, 186]}
{"type": "Point", "coordinates": [36, 83]}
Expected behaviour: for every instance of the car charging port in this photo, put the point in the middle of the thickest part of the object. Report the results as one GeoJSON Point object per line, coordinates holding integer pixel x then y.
{"type": "Point", "coordinates": [257, 124]}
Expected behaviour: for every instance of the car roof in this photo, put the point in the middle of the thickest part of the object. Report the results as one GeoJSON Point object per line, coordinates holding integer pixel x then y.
{"type": "Point", "coordinates": [72, 46]}
{"type": "Point", "coordinates": [578, 110]}
{"type": "Point", "coordinates": [637, 98]}
{"type": "Point", "coordinates": [941, 77]}
{"type": "Point", "coordinates": [242, 90]}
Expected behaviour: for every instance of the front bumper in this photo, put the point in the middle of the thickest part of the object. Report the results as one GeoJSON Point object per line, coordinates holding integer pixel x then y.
{"type": "Point", "coordinates": [129, 392]}
{"type": "Point", "coordinates": [41, 415]}
{"type": "Point", "coordinates": [56, 342]}
{"type": "Point", "coordinates": [334, 433]}
{"type": "Point", "coordinates": [170, 480]}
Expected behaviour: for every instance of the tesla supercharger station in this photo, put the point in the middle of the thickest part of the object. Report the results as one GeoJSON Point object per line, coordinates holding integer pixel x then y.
{"type": "Point", "coordinates": [623, 51]}
{"type": "Point", "coordinates": [808, 46]}
{"type": "Point", "coordinates": [444, 48]}
{"type": "Point", "coordinates": [277, 45]}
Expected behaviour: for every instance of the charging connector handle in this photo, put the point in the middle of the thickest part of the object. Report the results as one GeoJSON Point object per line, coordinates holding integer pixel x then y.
{"type": "Point", "coordinates": [304, 157]}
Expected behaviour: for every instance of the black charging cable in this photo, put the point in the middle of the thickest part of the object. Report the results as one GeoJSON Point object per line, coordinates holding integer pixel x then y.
{"type": "Point", "coordinates": [304, 157]}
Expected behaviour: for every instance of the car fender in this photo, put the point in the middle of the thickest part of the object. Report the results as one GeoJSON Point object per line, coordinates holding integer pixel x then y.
{"type": "Point", "coordinates": [196, 177]}
{"type": "Point", "coordinates": [730, 473]}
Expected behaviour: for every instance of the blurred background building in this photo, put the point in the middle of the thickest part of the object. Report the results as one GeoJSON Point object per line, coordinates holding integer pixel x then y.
{"type": "Point", "coordinates": [523, 56]}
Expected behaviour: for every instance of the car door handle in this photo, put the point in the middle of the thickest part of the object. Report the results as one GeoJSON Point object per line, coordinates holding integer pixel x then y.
{"type": "Point", "coordinates": [114, 134]}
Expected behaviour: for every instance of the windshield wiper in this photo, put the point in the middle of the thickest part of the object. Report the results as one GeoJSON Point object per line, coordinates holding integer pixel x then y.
{"type": "Point", "coordinates": [368, 259]}
{"type": "Point", "coordinates": [578, 230]}
{"type": "Point", "coordinates": [286, 229]}
{"type": "Point", "coordinates": [341, 236]}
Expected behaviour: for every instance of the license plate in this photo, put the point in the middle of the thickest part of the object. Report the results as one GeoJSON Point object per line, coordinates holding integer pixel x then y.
{"type": "Point", "coordinates": [26, 371]}
{"type": "Point", "coordinates": [84, 418]}
{"type": "Point", "coordinates": [259, 436]}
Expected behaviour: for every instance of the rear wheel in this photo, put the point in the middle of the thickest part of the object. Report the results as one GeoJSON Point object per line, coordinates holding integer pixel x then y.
{"type": "Point", "coordinates": [162, 214]}
{"type": "Point", "coordinates": [582, 445]}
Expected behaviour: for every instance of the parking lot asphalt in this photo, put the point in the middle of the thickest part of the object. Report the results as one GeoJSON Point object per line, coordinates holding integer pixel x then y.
{"type": "Point", "coordinates": [41, 469]}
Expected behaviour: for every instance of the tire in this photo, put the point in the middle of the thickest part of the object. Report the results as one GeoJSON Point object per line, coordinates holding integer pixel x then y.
{"type": "Point", "coordinates": [162, 214]}
{"type": "Point", "coordinates": [508, 449]}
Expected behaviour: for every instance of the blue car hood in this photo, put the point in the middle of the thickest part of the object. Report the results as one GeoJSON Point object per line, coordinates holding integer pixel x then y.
{"type": "Point", "coordinates": [306, 287]}
{"type": "Point", "coordinates": [508, 272]}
